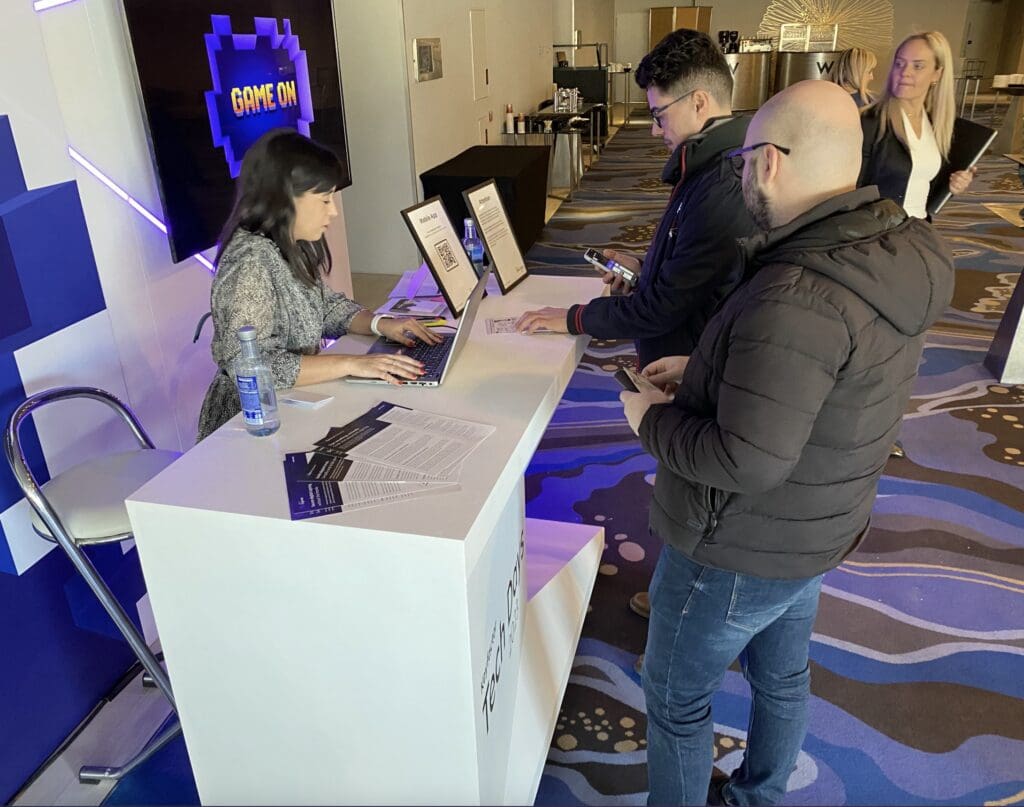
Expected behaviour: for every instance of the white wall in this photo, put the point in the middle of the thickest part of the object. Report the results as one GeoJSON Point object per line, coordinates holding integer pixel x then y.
{"type": "Point", "coordinates": [398, 127]}
{"type": "Point", "coordinates": [443, 113]}
{"type": "Point", "coordinates": [153, 304]}
{"type": "Point", "coordinates": [374, 79]}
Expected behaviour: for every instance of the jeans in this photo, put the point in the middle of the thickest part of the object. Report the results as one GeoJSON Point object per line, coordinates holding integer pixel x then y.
{"type": "Point", "coordinates": [702, 619]}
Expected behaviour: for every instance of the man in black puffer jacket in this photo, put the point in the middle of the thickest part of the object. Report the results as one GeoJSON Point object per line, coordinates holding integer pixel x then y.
{"type": "Point", "coordinates": [769, 454]}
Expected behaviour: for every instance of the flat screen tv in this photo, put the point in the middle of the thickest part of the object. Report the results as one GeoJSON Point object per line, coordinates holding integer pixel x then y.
{"type": "Point", "coordinates": [213, 76]}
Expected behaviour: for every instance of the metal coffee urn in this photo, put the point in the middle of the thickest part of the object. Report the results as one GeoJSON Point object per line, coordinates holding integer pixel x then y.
{"type": "Point", "coordinates": [791, 67]}
{"type": "Point", "coordinates": [751, 79]}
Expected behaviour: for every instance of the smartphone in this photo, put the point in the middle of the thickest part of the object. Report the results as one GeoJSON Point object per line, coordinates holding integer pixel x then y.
{"type": "Point", "coordinates": [631, 381]}
{"type": "Point", "coordinates": [603, 264]}
{"type": "Point", "coordinates": [625, 381]}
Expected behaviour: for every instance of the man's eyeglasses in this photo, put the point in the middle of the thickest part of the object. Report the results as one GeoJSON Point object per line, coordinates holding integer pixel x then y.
{"type": "Point", "coordinates": [736, 155]}
{"type": "Point", "coordinates": [658, 111]}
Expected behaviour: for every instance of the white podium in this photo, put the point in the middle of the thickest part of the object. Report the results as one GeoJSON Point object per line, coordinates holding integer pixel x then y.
{"type": "Point", "coordinates": [415, 653]}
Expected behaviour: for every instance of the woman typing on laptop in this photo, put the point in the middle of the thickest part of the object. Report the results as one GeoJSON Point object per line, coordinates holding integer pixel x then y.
{"type": "Point", "coordinates": [270, 274]}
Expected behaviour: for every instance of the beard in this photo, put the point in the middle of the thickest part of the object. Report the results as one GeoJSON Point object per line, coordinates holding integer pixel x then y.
{"type": "Point", "coordinates": [755, 200]}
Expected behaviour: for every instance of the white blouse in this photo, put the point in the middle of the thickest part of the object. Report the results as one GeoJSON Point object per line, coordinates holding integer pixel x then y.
{"type": "Point", "coordinates": [926, 162]}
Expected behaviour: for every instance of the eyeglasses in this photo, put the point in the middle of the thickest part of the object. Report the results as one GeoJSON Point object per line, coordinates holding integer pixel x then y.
{"type": "Point", "coordinates": [658, 111]}
{"type": "Point", "coordinates": [736, 155]}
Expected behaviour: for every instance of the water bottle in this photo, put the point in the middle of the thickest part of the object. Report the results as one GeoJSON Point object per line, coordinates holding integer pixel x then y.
{"type": "Point", "coordinates": [474, 246]}
{"type": "Point", "coordinates": [255, 387]}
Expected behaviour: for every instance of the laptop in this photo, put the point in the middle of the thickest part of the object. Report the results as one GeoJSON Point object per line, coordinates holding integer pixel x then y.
{"type": "Point", "coordinates": [437, 358]}
{"type": "Point", "coordinates": [970, 141]}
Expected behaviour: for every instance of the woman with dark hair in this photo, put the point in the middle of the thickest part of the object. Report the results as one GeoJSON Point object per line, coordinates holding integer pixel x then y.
{"type": "Point", "coordinates": [908, 131]}
{"type": "Point", "coordinates": [270, 274]}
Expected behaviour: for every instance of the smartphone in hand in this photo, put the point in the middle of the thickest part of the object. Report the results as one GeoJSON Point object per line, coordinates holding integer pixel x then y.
{"type": "Point", "coordinates": [625, 381]}
{"type": "Point", "coordinates": [603, 264]}
{"type": "Point", "coordinates": [631, 381]}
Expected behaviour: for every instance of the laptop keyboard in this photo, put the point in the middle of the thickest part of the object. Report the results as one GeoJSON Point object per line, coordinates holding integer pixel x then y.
{"type": "Point", "coordinates": [431, 356]}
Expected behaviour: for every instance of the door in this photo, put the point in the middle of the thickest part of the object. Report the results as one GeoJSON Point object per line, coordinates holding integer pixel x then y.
{"type": "Point", "coordinates": [983, 34]}
{"type": "Point", "coordinates": [478, 53]}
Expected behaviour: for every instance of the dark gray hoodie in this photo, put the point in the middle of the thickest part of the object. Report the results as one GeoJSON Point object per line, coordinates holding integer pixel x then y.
{"type": "Point", "coordinates": [769, 457]}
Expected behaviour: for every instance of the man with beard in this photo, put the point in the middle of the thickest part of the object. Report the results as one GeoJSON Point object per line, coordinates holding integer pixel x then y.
{"type": "Point", "coordinates": [770, 452]}
{"type": "Point", "coordinates": [690, 266]}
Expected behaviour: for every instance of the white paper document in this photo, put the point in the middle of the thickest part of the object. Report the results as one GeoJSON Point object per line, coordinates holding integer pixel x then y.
{"type": "Point", "coordinates": [388, 454]}
{"type": "Point", "coordinates": [508, 325]}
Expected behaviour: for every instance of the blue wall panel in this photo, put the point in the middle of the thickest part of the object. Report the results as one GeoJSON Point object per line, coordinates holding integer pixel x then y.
{"type": "Point", "coordinates": [61, 654]}
{"type": "Point", "coordinates": [45, 236]}
{"type": "Point", "coordinates": [53, 672]}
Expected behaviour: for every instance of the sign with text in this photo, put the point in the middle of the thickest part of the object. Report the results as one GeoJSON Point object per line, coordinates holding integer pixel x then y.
{"type": "Point", "coordinates": [488, 211]}
{"type": "Point", "coordinates": [442, 249]}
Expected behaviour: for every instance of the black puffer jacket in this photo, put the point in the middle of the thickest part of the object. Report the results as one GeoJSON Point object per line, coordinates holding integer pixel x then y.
{"type": "Point", "coordinates": [690, 266]}
{"type": "Point", "coordinates": [769, 458]}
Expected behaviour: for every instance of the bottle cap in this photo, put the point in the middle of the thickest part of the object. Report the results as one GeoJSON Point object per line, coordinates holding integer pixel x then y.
{"type": "Point", "coordinates": [247, 333]}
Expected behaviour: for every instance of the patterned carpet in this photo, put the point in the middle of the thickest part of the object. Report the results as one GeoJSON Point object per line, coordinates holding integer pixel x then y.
{"type": "Point", "coordinates": [918, 652]}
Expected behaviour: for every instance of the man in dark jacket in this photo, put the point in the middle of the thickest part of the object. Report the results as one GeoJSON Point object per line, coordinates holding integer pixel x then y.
{"type": "Point", "coordinates": [769, 454]}
{"type": "Point", "coordinates": [689, 267]}
{"type": "Point", "coordinates": [691, 264]}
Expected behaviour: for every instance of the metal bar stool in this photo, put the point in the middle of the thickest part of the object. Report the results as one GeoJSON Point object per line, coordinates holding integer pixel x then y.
{"type": "Point", "coordinates": [84, 506]}
{"type": "Point", "coordinates": [973, 70]}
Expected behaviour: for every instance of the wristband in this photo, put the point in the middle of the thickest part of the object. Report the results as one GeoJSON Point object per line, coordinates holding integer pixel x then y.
{"type": "Point", "coordinates": [375, 321]}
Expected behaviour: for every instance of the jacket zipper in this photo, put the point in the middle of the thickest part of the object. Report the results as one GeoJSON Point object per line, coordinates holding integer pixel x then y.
{"type": "Point", "coordinates": [709, 504]}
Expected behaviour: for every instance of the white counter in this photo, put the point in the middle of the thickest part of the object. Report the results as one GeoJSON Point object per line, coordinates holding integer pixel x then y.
{"type": "Point", "coordinates": [386, 655]}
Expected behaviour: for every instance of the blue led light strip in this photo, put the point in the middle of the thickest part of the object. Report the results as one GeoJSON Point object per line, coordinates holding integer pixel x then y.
{"type": "Point", "coordinates": [120, 192]}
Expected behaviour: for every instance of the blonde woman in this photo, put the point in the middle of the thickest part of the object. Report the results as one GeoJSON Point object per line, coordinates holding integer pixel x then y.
{"type": "Point", "coordinates": [907, 132]}
{"type": "Point", "coordinates": [854, 72]}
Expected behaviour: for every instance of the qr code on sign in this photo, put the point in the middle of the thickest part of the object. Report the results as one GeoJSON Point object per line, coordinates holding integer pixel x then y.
{"type": "Point", "coordinates": [446, 254]}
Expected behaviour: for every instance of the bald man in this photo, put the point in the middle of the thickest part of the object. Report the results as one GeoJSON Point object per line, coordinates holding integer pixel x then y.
{"type": "Point", "coordinates": [770, 451]}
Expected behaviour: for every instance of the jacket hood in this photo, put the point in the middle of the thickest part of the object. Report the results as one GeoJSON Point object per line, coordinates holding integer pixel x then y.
{"type": "Point", "coordinates": [897, 264]}
{"type": "Point", "coordinates": [718, 135]}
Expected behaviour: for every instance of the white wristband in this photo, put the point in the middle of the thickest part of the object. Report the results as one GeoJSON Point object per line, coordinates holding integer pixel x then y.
{"type": "Point", "coordinates": [375, 321]}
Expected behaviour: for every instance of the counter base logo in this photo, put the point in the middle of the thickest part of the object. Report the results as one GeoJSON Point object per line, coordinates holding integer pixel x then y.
{"type": "Point", "coordinates": [260, 82]}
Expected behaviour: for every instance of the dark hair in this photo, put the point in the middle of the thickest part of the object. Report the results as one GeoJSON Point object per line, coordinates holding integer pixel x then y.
{"type": "Point", "coordinates": [687, 60]}
{"type": "Point", "coordinates": [277, 168]}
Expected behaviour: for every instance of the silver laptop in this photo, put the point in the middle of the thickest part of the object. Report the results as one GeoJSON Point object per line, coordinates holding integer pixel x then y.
{"type": "Point", "coordinates": [437, 358]}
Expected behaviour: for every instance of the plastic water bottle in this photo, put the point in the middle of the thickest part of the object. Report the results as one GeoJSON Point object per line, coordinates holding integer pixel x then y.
{"type": "Point", "coordinates": [474, 246]}
{"type": "Point", "coordinates": [255, 387]}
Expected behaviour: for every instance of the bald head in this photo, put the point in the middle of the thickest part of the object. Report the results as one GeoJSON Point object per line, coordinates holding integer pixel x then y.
{"type": "Point", "coordinates": [820, 125]}
{"type": "Point", "coordinates": [819, 121]}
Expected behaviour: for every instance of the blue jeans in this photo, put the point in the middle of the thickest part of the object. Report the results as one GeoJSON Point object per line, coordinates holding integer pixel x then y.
{"type": "Point", "coordinates": [701, 620]}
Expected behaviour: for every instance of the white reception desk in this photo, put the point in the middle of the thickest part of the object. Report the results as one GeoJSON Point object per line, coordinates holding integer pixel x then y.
{"type": "Point", "coordinates": [408, 654]}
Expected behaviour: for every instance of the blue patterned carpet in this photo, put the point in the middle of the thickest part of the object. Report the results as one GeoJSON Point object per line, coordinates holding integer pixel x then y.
{"type": "Point", "coordinates": [918, 652]}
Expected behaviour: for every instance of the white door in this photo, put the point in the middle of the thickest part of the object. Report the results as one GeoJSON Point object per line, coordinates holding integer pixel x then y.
{"type": "Point", "coordinates": [983, 32]}
{"type": "Point", "coordinates": [629, 46]}
{"type": "Point", "coordinates": [478, 53]}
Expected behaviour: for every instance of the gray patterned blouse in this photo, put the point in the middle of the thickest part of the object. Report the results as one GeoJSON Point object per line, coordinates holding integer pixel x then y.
{"type": "Point", "coordinates": [254, 286]}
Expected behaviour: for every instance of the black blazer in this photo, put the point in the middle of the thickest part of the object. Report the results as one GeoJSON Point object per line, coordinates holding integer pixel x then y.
{"type": "Point", "coordinates": [887, 164]}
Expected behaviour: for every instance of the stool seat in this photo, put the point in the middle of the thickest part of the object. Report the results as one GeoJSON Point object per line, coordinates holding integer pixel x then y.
{"type": "Point", "coordinates": [89, 498]}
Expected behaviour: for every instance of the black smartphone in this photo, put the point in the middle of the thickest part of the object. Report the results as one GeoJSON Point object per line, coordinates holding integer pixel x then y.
{"type": "Point", "coordinates": [633, 381]}
{"type": "Point", "coordinates": [603, 264]}
{"type": "Point", "coordinates": [625, 381]}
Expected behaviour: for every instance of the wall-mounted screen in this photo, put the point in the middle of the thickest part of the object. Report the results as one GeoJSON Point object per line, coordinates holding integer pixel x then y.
{"type": "Point", "coordinates": [213, 76]}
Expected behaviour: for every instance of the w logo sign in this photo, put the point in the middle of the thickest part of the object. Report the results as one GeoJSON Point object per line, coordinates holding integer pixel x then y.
{"type": "Point", "coordinates": [825, 68]}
